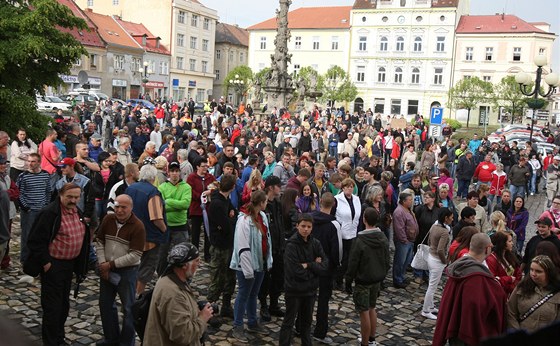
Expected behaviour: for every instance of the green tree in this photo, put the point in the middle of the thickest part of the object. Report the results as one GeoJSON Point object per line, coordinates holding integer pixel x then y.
{"type": "Point", "coordinates": [507, 95]}
{"type": "Point", "coordinates": [337, 86]}
{"type": "Point", "coordinates": [308, 73]}
{"type": "Point", "coordinates": [468, 93]}
{"type": "Point", "coordinates": [34, 51]}
{"type": "Point", "coordinates": [239, 79]}
{"type": "Point", "coordinates": [259, 81]}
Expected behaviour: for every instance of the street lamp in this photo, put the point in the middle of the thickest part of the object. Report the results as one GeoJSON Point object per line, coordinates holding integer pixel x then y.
{"type": "Point", "coordinates": [237, 84]}
{"type": "Point", "coordinates": [145, 72]}
{"type": "Point", "coordinates": [524, 79]}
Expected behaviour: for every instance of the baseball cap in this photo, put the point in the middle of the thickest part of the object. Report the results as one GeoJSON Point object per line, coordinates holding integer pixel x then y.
{"type": "Point", "coordinates": [96, 136]}
{"type": "Point", "coordinates": [181, 254]}
{"type": "Point", "coordinates": [3, 159]}
{"type": "Point", "coordinates": [272, 181]}
{"type": "Point", "coordinates": [174, 165]}
{"type": "Point", "coordinates": [544, 221]}
{"type": "Point", "coordinates": [68, 161]}
{"type": "Point", "coordinates": [557, 157]}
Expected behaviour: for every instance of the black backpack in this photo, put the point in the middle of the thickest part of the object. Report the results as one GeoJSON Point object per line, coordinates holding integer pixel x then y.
{"type": "Point", "coordinates": [140, 310]}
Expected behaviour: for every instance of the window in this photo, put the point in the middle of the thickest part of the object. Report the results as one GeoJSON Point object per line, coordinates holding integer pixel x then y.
{"type": "Point", "coordinates": [298, 42]}
{"type": "Point", "coordinates": [180, 40]}
{"type": "Point", "coordinates": [438, 76]}
{"type": "Point", "coordinates": [440, 44]}
{"type": "Point", "coordinates": [193, 42]}
{"type": "Point", "coordinates": [469, 53]}
{"type": "Point", "coordinates": [361, 74]}
{"type": "Point", "coordinates": [192, 64]}
{"type": "Point", "coordinates": [181, 17]}
{"type": "Point", "coordinates": [90, 3]}
{"type": "Point", "coordinates": [263, 42]}
{"type": "Point", "coordinates": [517, 54]}
{"type": "Point", "coordinates": [315, 42]}
{"type": "Point", "coordinates": [218, 54]}
{"type": "Point", "coordinates": [398, 75]}
{"type": "Point", "coordinates": [230, 55]}
{"type": "Point", "coordinates": [487, 78]}
{"type": "Point", "coordinates": [418, 44]}
{"type": "Point", "coordinates": [412, 107]}
{"type": "Point", "coordinates": [296, 68]}
{"type": "Point", "coordinates": [542, 50]}
{"type": "Point", "coordinates": [206, 24]}
{"type": "Point", "coordinates": [415, 77]}
{"type": "Point", "coordinates": [115, 2]}
{"type": "Point", "coordinates": [118, 62]}
{"type": "Point", "coordinates": [467, 76]}
{"type": "Point", "coordinates": [241, 56]}
{"type": "Point", "coordinates": [489, 53]}
{"type": "Point", "coordinates": [93, 61]}
{"type": "Point", "coordinates": [362, 44]}
{"type": "Point", "coordinates": [163, 67]}
{"type": "Point", "coordinates": [395, 106]}
{"type": "Point", "coordinates": [205, 45]}
{"type": "Point", "coordinates": [205, 66]}
{"type": "Point", "coordinates": [400, 44]}
{"type": "Point", "coordinates": [384, 44]}
{"type": "Point", "coordinates": [179, 63]}
{"type": "Point", "coordinates": [194, 20]}
{"type": "Point", "coordinates": [334, 43]}
{"type": "Point", "coordinates": [200, 93]}
{"type": "Point", "coordinates": [381, 75]}
{"type": "Point", "coordinates": [379, 105]}
{"type": "Point", "coordinates": [78, 62]}
{"type": "Point", "coordinates": [217, 73]}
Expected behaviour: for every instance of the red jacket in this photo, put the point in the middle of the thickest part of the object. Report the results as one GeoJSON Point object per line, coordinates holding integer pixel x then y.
{"type": "Point", "coordinates": [508, 283]}
{"type": "Point", "coordinates": [473, 305]}
{"type": "Point", "coordinates": [547, 161]}
{"type": "Point", "coordinates": [396, 151]}
{"type": "Point", "coordinates": [159, 112]}
{"type": "Point", "coordinates": [483, 171]}
{"type": "Point", "coordinates": [498, 182]}
{"type": "Point", "coordinates": [198, 186]}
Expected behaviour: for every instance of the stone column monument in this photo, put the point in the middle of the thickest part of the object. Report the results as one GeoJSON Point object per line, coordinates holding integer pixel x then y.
{"type": "Point", "coordinates": [279, 85]}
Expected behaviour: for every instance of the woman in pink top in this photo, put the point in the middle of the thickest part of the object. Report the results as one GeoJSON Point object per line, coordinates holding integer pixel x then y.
{"type": "Point", "coordinates": [445, 177]}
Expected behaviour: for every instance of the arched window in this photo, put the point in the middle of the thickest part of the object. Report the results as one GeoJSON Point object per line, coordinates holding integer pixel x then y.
{"type": "Point", "coordinates": [418, 44]}
{"type": "Point", "coordinates": [381, 75]}
{"type": "Point", "coordinates": [400, 44]}
{"type": "Point", "coordinates": [415, 76]}
{"type": "Point", "coordinates": [398, 75]}
{"type": "Point", "coordinates": [383, 46]}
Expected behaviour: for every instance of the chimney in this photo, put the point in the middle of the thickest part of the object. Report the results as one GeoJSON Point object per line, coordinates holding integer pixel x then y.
{"type": "Point", "coordinates": [503, 16]}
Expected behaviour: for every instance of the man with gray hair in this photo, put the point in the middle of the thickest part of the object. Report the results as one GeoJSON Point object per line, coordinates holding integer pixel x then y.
{"type": "Point", "coordinates": [470, 297]}
{"type": "Point", "coordinates": [149, 151]}
{"type": "Point", "coordinates": [185, 165]}
{"type": "Point", "coordinates": [405, 228]}
{"type": "Point", "coordinates": [149, 208]}
{"type": "Point", "coordinates": [123, 154]}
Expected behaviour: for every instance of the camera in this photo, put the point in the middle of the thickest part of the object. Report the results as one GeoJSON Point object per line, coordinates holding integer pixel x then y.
{"type": "Point", "coordinates": [215, 307]}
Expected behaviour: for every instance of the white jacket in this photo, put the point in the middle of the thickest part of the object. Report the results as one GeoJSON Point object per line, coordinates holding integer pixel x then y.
{"type": "Point", "coordinates": [349, 225]}
{"type": "Point", "coordinates": [18, 155]}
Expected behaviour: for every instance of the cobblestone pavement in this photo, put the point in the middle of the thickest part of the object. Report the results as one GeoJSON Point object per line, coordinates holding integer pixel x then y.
{"type": "Point", "coordinates": [399, 319]}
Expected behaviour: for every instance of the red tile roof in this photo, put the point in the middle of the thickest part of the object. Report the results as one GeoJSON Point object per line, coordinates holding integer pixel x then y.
{"type": "Point", "coordinates": [365, 4]}
{"type": "Point", "coordinates": [111, 31]}
{"type": "Point", "coordinates": [335, 17]}
{"type": "Point", "coordinates": [226, 33]}
{"type": "Point", "coordinates": [86, 37]}
{"type": "Point", "coordinates": [494, 24]}
{"type": "Point", "coordinates": [138, 31]}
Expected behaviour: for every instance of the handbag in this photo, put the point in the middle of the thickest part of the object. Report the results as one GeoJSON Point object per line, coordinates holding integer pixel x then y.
{"type": "Point", "coordinates": [420, 260]}
{"type": "Point", "coordinates": [537, 305]}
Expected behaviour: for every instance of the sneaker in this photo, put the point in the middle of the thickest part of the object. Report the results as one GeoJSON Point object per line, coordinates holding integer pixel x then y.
{"type": "Point", "coordinates": [397, 285]}
{"type": "Point", "coordinates": [429, 315]}
{"type": "Point", "coordinates": [26, 279]}
{"type": "Point", "coordinates": [239, 334]}
{"type": "Point", "coordinates": [434, 311]}
{"type": "Point", "coordinates": [326, 340]}
{"type": "Point", "coordinates": [370, 343]}
{"type": "Point", "coordinates": [257, 328]}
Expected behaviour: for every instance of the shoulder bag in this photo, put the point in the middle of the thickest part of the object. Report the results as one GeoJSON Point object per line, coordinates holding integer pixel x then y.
{"type": "Point", "coordinates": [420, 260]}
{"type": "Point", "coordinates": [537, 305]}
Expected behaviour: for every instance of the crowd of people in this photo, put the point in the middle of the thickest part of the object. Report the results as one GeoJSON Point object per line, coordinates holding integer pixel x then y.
{"type": "Point", "coordinates": [284, 205]}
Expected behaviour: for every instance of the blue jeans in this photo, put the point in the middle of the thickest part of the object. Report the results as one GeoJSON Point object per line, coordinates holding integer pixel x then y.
{"type": "Point", "coordinates": [246, 299]}
{"type": "Point", "coordinates": [520, 243]}
{"type": "Point", "coordinates": [517, 191]}
{"type": "Point", "coordinates": [27, 219]}
{"type": "Point", "coordinates": [101, 209]}
{"type": "Point", "coordinates": [533, 183]}
{"type": "Point", "coordinates": [333, 151]}
{"type": "Point", "coordinates": [108, 309]}
{"type": "Point", "coordinates": [401, 260]}
{"type": "Point", "coordinates": [463, 189]}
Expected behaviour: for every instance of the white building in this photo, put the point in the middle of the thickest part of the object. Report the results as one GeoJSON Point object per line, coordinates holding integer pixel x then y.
{"type": "Point", "coordinates": [232, 50]}
{"type": "Point", "coordinates": [401, 53]}
{"type": "Point", "coordinates": [319, 39]}
{"type": "Point", "coordinates": [495, 46]}
{"type": "Point", "coordinates": [186, 27]}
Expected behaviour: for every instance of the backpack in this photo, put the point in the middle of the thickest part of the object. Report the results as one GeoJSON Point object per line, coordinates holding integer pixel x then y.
{"type": "Point", "coordinates": [140, 310]}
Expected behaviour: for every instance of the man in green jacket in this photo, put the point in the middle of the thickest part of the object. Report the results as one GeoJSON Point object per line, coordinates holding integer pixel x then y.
{"type": "Point", "coordinates": [367, 267]}
{"type": "Point", "coordinates": [177, 195]}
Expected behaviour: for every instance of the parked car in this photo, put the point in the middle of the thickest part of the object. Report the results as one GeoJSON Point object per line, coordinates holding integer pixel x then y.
{"type": "Point", "coordinates": [119, 101]}
{"type": "Point", "coordinates": [144, 103]}
{"type": "Point", "coordinates": [51, 103]}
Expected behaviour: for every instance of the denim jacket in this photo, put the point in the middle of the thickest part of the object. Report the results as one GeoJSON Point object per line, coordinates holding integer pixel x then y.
{"type": "Point", "coordinates": [247, 247]}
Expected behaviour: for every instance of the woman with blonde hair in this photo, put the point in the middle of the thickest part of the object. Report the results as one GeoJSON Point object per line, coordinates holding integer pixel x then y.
{"type": "Point", "coordinates": [254, 183]}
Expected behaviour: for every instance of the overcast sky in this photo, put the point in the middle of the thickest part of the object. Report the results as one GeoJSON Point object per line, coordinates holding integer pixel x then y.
{"type": "Point", "coordinates": [249, 12]}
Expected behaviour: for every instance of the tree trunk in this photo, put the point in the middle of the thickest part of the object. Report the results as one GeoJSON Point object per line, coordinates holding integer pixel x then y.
{"type": "Point", "coordinates": [468, 116]}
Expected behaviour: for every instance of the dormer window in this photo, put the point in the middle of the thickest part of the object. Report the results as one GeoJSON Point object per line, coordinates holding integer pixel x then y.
{"type": "Point", "coordinates": [144, 40]}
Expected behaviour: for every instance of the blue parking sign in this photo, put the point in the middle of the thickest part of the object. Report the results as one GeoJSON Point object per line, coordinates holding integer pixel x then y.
{"type": "Point", "coordinates": [437, 116]}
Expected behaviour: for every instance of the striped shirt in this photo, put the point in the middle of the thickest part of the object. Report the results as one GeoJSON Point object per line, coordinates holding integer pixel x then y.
{"type": "Point", "coordinates": [34, 189]}
{"type": "Point", "coordinates": [67, 243]}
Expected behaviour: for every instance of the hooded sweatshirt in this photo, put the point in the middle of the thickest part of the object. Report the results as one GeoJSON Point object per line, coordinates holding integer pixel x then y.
{"type": "Point", "coordinates": [473, 304]}
{"type": "Point", "coordinates": [369, 257]}
{"type": "Point", "coordinates": [327, 230]}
